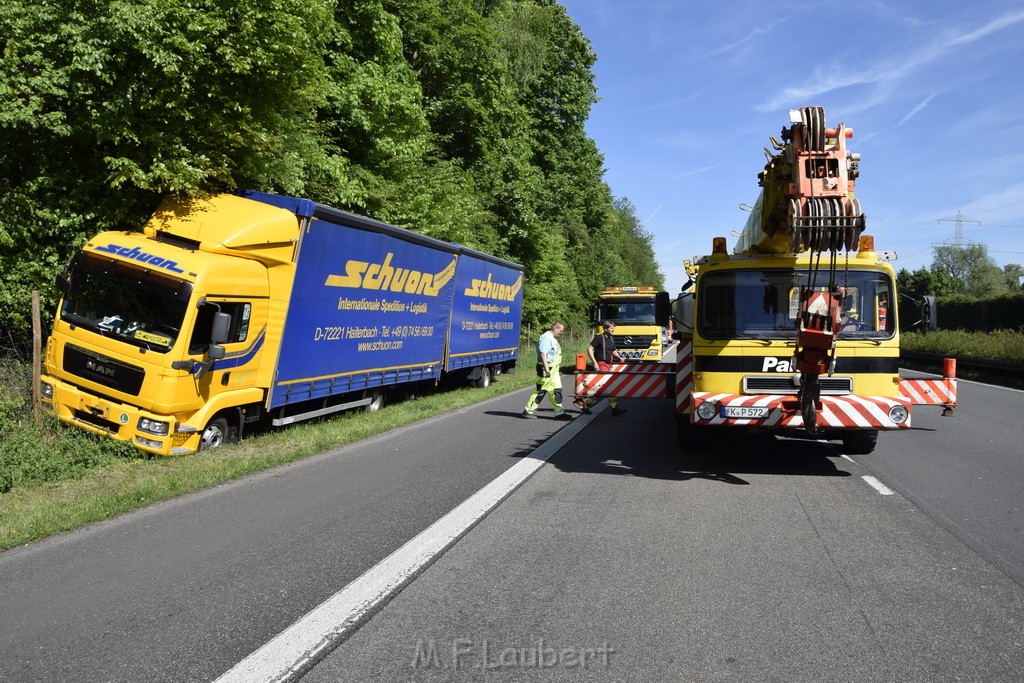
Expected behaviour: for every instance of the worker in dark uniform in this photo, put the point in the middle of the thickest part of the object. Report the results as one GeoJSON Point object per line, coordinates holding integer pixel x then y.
{"type": "Point", "coordinates": [603, 353]}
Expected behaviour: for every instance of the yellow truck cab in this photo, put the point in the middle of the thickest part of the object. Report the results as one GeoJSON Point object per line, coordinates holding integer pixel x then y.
{"type": "Point", "coordinates": [641, 316]}
{"type": "Point", "coordinates": [743, 327]}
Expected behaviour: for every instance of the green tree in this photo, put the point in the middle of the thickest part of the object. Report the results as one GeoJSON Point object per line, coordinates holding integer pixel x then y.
{"type": "Point", "coordinates": [573, 202]}
{"type": "Point", "coordinates": [972, 267]}
{"type": "Point", "coordinates": [637, 247]}
{"type": "Point", "coordinates": [105, 106]}
{"type": "Point", "coordinates": [478, 129]}
{"type": "Point", "coordinates": [478, 83]}
{"type": "Point", "coordinates": [932, 281]}
{"type": "Point", "coordinates": [378, 136]}
{"type": "Point", "coordinates": [1014, 274]}
{"type": "Point", "coordinates": [462, 119]}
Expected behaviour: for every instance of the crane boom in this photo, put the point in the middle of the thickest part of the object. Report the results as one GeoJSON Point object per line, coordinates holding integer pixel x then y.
{"type": "Point", "coordinates": [807, 200]}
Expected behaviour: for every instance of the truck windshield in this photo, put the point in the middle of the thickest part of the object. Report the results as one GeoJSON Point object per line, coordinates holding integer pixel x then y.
{"type": "Point", "coordinates": [627, 311]}
{"type": "Point", "coordinates": [116, 299]}
{"type": "Point", "coordinates": [764, 303]}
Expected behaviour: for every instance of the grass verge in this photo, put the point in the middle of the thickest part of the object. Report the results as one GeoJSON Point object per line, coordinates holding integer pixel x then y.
{"type": "Point", "coordinates": [997, 345]}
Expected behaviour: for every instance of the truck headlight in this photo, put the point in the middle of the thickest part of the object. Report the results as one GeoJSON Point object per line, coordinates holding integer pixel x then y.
{"type": "Point", "coordinates": [153, 427]}
{"type": "Point", "coordinates": [707, 410]}
{"type": "Point", "coordinates": [898, 414]}
{"type": "Point", "coordinates": [46, 390]}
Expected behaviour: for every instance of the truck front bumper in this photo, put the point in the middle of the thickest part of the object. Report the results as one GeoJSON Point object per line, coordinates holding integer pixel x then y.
{"type": "Point", "coordinates": [112, 419]}
{"type": "Point", "coordinates": [782, 411]}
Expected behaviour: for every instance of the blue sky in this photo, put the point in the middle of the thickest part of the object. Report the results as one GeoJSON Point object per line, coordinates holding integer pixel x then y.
{"type": "Point", "coordinates": [934, 91]}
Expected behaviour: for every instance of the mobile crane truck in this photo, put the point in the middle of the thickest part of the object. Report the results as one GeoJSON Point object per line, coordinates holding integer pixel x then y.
{"type": "Point", "coordinates": [240, 309]}
{"type": "Point", "coordinates": [787, 334]}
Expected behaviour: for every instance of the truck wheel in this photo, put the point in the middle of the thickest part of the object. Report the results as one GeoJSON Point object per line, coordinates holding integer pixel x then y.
{"type": "Point", "coordinates": [860, 442]}
{"type": "Point", "coordinates": [376, 401]}
{"type": "Point", "coordinates": [485, 378]}
{"type": "Point", "coordinates": [215, 435]}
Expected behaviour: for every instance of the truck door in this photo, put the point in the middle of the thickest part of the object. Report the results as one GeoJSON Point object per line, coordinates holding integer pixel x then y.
{"type": "Point", "coordinates": [242, 349]}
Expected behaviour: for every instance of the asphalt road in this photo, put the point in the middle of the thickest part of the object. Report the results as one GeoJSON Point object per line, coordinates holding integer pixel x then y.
{"type": "Point", "coordinates": [185, 589]}
{"type": "Point", "coordinates": [966, 471]}
{"type": "Point", "coordinates": [621, 559]}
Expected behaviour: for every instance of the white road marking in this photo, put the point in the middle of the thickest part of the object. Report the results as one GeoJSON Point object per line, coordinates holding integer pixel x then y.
{"type": "Point", "coordinates": [299, 646]}
{"type": "Point", "coordinates": [877, 485]}
{"type": "Point", "coordinates": [874, 483]}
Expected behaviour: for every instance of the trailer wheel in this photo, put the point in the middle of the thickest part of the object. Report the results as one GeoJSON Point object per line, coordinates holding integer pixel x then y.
{"type": "Point", "coordinates": [485, 378]}
{"type": "Point", "coordinates": [860, 442]}
{"type": "Point", "coordinates": [215, 435]}
{"type": "Point", "coordinates": [376, 401]}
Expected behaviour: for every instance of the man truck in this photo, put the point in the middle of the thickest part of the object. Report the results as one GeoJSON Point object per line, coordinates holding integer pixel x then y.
{"type": "Point", "coordinates": [240, 309]}
{"type": "Point", "coordinates": [786, 334]}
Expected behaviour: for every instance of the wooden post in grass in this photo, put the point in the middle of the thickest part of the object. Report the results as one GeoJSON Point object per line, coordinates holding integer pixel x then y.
{"type": "Point", "coordinates": [37, 344]}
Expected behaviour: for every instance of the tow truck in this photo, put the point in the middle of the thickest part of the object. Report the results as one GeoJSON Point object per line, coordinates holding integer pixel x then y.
{"type": "Point", "coordinates": [642, 317]}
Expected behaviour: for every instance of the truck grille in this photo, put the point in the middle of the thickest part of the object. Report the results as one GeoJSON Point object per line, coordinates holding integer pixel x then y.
{"type": "Point", "coordinates": [103, 370]}
{"type": "Point", "coordinates": [787, 384]}
{"type": "Point", "coordinates": [633, 341]}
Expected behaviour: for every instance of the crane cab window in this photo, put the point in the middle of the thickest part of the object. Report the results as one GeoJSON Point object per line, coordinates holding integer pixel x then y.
{"type": "Point", "coordinates": [765, 303]}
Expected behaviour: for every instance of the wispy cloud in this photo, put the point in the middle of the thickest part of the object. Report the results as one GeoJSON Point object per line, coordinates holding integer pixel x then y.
{"type": "Point", "coordinates": [837, 77]}
{"type": "Point", "coordinates": [653, 214]}
{"type": "Point", "coordinates": [759, 31]}
{"type": "Point", "coordinates": [892, 14]}
{"type": "Point", "coordinates": [997, 24]}
{"type": "Point", "coordinates": [667, 250]}
{"type": "Point", "coordinates": [917, 109]}
{"type": "Point", "coordinates": [888, 71]}
{"type": "Point", "coordinates": [687, 174]}
{"type": "Point", "coordinates": [1006, 204]}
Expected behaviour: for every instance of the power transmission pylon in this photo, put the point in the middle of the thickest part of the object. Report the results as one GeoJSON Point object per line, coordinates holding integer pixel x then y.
{"type": "Point", "coordinates": [959, 219]}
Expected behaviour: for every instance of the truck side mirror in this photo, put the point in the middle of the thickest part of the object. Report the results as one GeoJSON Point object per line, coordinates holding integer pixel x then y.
{"type": "Point", "coordinates": [215, 352]}
{"type": "Point", "coordinates": [593, 314]}
{"type": "Point", "coordinates": [662, 309]}
{"type": "Point", "coordinates": [929, 313]}
{"type": "Point", "coordinates": [61, 280]}
{"type": "Point", "coordinates": [683, 312]}
{"type": "Point", "coordinates": [220, 328]}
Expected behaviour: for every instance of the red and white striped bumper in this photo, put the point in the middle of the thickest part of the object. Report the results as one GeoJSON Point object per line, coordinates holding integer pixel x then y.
{"type": "Point", "coordinates": [842, 412]}
{"type": "Point", "coordinates": [628, 380]}
{"type": "Point", "coordinates": [930, 392]}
